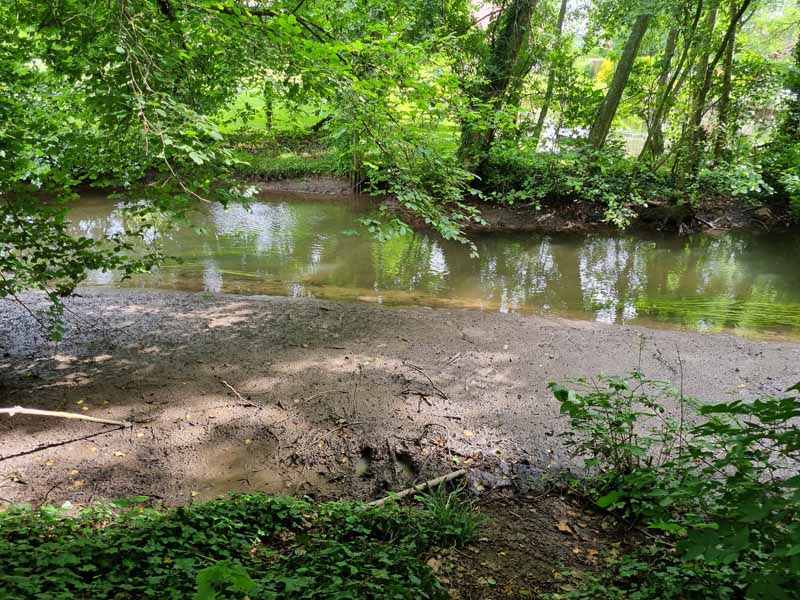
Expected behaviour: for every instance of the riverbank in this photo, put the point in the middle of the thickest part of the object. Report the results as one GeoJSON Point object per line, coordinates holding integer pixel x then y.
{"type": "Point", "coordinates": [234, 393]}
{"type": "Point", "coordinates": [713, 215]}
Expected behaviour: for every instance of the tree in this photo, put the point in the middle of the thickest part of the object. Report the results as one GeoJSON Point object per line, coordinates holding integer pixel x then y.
{"type": "Point", "coordinates": [721, 135]}
{"type": "Point", "coordinates": [551, 76]}
{"type": "Point", "coordinates": [502, 73]}
{"type": "Point", "coordinates": [608, 108]}
{"type": "Point", "coordinates": [673, 76]}
{"type": "Point", "coordinates": [705, 69]}
{"type": "Point", "coordinates": [790, 127]}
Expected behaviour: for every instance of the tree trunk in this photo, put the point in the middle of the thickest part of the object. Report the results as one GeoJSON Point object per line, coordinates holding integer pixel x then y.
{"type": "Point", "coordinates": [721, 136]}
{"type": "Point", "coordinates": [608, 108]}
{"type": "Point", "coordinates": [551, 77]}
{"type": "Point", "coordinates": [654, 144]}
{"type": "Point", "coordinates": [791, 124]}
{"type": "Point", "coordinates": [502, 75]}
{"type": "Point", "coordinates": [705, 71]}
{"type": "Point", "coordinates": [674, 83]}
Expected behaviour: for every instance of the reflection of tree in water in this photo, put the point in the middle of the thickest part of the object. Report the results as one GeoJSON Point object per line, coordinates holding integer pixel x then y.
{"type": "Point", "coordinates": [743, 282]}
{"type": "Point", "coordinates": [612, 273]}
{"type": "Point", "coordinates": [736, 280]}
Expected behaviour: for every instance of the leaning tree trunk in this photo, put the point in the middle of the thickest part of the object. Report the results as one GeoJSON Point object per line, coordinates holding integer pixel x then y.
{"type": "Point", "coordinates": [502, 75]}
{"type": "Point", "coordinates": [672, 84]}
{"type": "Point", "coordinates": [608, 108]}
{"type": "Point", "coordinates": [551, 77]}
{"type": "Point", "coordinates": [696, 134]}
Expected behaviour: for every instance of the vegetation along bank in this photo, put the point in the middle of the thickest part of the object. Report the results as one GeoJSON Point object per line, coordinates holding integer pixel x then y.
{"type": "Point", "coordinates": [128, 416]}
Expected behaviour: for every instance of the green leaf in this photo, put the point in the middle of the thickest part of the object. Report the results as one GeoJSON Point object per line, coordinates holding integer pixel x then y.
{"type": "Point", "coordinates": [609, 499]}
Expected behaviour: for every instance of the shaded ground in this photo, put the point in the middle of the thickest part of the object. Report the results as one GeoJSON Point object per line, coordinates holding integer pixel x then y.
{"type": "Point", "coordinates": [530, 544]}
{"type": "Point", "coordinates": [330, 397]}
{"type": "Point", "coordinates": [280, 395]}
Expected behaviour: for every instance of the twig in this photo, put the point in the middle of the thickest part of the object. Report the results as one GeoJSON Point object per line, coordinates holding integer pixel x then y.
{"type": "Point", "coordinates": [704, 222]}
{"type": "Point", "coordinates": [423, 397]}
{"type": "Point", "coordinates": [18, 410]}
{"type": "Point", "coordinates": [58, 444]}
{"type": "Point", "coordinates": [237, 394]}
{"type": "Point", "coordinates": [424, 374]}
{"type": "Point", "coordinates": [47, 494]}
{"type": "Point", "coordinates": [453, 417]}
{"type": "Point", "coordinates": [418, 488]}
{"type": "Point", "coordinates": [682, 401]}
{"type": "Point", "coordinates": [326, 392]}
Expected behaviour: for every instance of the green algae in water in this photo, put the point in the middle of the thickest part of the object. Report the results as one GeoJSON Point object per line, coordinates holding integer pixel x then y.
{"type": "Point", "coordinates": [720, 314]}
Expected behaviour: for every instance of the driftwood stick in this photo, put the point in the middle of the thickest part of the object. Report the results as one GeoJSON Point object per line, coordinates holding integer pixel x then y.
{"type": "Point", "coordinates": [420, 487]}
{"type": "Point", "coordinates": [18, 410]}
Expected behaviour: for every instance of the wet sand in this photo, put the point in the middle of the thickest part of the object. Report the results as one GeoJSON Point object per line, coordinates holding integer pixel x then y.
{"type": "Point", "coordinates": [330, 398]}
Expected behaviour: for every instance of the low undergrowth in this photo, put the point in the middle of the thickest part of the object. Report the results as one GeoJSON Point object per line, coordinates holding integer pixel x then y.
{"type": "Point", "coordinates": [285, 155]}
{"type": "Point", "coordinates": [714, 489]}
{"type": "Point", "coordinates": [245, 546]}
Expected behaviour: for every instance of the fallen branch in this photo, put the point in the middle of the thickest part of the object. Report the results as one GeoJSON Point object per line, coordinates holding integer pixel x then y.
{"type": "Point", "coordinates": [420, 487]}
{"type": "Point", "coordinates": [706, 223]}
{"type": "Point", "coordinates": [18, 410]}
{"type": "Point", "coordinates": [57, 444]}
{"type": "Point", "coordinates": [424, 374]}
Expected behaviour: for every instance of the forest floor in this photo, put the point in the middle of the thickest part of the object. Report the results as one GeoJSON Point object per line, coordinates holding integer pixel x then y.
{"type": "Point", "coordinates": [299, 396]}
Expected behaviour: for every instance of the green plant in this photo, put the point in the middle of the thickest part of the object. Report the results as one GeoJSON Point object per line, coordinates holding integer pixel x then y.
{"type": "Point", "coordinates": [262, 546]}
{"type": "Point", "coordinates": [603, 178]}
{"type": "Point", "coordinates": [719, 487]}
{"type": "Point", "coordinates": [738, 180]}
{"type": "Point", "coordinates": [451, 515]}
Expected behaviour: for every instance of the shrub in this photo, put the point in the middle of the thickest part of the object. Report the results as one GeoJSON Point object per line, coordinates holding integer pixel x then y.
{"type": "Point", "coordinates": [721, 488]}
{"type": "Point", "coordinates": [601, 177]}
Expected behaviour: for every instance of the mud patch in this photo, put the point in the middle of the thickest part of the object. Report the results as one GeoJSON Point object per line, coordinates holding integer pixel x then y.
{"type": "Point", "coordinates": [232, 393]}
{"type": "Point", "coordinates": [526, 545]}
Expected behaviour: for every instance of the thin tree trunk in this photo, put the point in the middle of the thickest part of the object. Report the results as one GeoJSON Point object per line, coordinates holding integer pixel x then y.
{"type": "Point", "coordinates": [608, 108]}
{"type": "Point", "coordinates": [724, 105]}
{"type": "Point", "coordinates": [791, 123]}
{"type": "Point", "coordinates": [654, 144]}
{"type": "Point", "coordinates": [706, 77]}
{"type": "Point", "coordinates": [551, 77]}
{"type": "Point", "coordinates": [674, 84]}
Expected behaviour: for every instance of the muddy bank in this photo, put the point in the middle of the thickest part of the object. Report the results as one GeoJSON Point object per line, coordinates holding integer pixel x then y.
{"type": "Point", "coordinates": [233, 393]}
{"type": "Point", "coordinates": [311, 184]}
{"type": "Point", "coordinates": [712, 214]}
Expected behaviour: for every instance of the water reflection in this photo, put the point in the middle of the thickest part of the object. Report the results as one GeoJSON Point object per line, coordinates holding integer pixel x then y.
{"type": "Point", "coordinates": [303, 247]}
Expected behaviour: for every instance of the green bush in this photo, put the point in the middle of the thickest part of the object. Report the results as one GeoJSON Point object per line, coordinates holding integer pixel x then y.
{"type": "Point", "coordinates": [782, 170]}
{"type": "Point", "coordinates": [740, 179]}
{"type": "Point", "coordinates": [719, 488]}
{"type": "Point", "coordinates": [581, 174]}
{"type": "Point", "coordinates": [265, 547]}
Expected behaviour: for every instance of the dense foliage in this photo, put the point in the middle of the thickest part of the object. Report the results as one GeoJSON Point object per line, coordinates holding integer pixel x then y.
{"type": "Point", "coordinates": [255, 545]}
{"type": "Point", "coordinates": [617, 104]}
{"type": "Point", "coordinates": [715, 485]}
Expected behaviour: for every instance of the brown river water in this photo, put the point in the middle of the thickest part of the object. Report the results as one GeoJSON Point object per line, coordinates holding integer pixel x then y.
{"type": "Point", "coordinates": [306, 246]}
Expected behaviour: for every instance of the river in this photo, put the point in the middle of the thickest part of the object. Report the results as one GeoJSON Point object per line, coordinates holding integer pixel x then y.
{"type": "Point", "coordinates": [290, 245]}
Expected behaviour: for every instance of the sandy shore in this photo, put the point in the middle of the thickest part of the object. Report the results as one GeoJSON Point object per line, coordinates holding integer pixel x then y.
{"type": "Point", "coordinates": [330, 398]}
